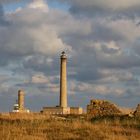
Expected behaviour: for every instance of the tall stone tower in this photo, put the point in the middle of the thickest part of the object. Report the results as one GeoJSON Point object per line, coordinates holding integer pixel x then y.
{"type": "Point", "coordinates": [63, 80]}
{"type": "Point", "coordinates": [21, 99]}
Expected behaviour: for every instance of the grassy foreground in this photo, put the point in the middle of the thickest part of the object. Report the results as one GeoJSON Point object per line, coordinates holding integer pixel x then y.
{"type": "Point", "coordinates": [40, 127]}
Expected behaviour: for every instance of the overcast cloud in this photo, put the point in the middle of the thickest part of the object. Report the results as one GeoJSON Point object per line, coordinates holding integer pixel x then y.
{"type": "Point", "coordinates": [101, 38]}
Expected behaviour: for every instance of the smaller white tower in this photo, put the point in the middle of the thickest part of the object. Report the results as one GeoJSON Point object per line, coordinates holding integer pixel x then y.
{"type": "Point", "coordinates": [21, 99]}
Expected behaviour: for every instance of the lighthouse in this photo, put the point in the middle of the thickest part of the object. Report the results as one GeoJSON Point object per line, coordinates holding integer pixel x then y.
{"type": "Point", "coordinates": [63, 107]}
{"type": "Point", "coordinates": [63, 80]}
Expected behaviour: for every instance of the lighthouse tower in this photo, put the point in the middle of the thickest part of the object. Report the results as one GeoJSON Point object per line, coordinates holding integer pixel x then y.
{"type": "Point", "coordinates": [63, 107]}
{"type": "Point", "coordinates": [63, 80]}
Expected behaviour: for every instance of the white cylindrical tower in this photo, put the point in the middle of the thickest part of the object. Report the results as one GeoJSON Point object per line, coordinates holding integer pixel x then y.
{"type": "Point", "coordinates": [63, 80]}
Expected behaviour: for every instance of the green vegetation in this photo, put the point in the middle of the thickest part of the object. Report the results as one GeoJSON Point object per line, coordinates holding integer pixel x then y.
{"type": "Point", "coordinates": [41, 127]}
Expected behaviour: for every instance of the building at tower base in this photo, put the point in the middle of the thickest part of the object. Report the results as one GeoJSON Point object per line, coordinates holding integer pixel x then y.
{"type": "Point", "coordinates": [76, 110]}
{"type": "Point", "coordinates": [62, 110]}
{"type": "Point", "coordinates": [56, 110]}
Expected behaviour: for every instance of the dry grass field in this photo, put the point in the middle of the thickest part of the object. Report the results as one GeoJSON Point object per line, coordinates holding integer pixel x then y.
{"type": "Point", "coordinates": [41, 127]}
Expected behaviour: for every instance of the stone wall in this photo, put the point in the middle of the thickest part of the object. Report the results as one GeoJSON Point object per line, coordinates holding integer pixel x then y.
{"type": "Point", "coordinates": [137, 111]}
{"type": "Point", "coordinates": [102, 108]}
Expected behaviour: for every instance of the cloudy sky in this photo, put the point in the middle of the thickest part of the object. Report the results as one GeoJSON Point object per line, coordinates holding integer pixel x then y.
{"type": "Point", "coordinates": [102, 41]}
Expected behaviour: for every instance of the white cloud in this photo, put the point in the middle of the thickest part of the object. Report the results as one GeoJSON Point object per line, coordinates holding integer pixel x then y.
{"type": "Point", "coordinates": [90, 88]}
{"type": "Point", "coordinates": [101, 49]}
{"type": "Point", "coordinates": [40, 78]}
{"type": "Point", "coordinates": [108, 49]}
{"type": "Point", "coordinates": [116, 5]}
{"type": "Point", "coordinates": [104, 8]}
{"type": "Point", "coordinates": [30, 34]}
{"type": "Point", "coordinates": [126, 27]}
{"type": "Point", "coordinates": [39, 5]}
{"type": "Point", "coordinates": [110, 4]}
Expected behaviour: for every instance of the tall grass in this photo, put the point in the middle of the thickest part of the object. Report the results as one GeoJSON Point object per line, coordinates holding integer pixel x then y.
{"type": "Point", "coordinates": [41, 127]}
